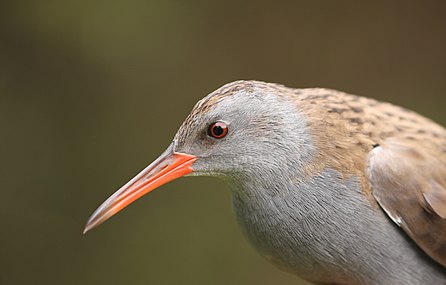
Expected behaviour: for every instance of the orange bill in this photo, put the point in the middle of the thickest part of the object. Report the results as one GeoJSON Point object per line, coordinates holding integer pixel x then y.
{"type": "Point", "coordinates": [169, 166]}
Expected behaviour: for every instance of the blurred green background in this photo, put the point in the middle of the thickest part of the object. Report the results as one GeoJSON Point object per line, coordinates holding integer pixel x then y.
{"type": "Point", "coordinates": [92, 91]}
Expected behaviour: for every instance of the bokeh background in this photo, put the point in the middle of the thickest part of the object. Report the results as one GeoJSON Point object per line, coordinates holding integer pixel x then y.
{"type": "Point", "coordinates": [92, 91]}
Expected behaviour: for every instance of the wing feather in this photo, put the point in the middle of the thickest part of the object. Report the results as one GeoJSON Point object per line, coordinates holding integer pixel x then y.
{"type": "Point", "coordinates": [408, 181]}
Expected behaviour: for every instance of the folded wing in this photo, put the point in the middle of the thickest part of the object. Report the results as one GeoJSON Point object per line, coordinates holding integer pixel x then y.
{"type": "Point", "coordinates": [409, 182]}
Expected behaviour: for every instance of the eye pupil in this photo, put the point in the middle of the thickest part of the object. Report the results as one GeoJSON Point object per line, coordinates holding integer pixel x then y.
{"type": "Point", "coordinates": [218, 130]}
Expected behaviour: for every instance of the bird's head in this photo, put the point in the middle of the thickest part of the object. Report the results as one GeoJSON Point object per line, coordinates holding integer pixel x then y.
{"type": "Point", "coordinates": [244, 131]}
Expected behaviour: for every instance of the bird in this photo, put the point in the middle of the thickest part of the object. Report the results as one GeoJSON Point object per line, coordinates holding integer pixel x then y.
{"type": "Point", "coordinates": [332, 187]}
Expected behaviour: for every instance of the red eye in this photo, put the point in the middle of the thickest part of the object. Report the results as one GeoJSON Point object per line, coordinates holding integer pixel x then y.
{"type": "Point", "coordinates": [218, 130]}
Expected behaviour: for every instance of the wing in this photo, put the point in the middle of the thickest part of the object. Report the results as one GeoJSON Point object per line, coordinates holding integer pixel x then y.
{"type": "Point", "coordinates": [408, 180]}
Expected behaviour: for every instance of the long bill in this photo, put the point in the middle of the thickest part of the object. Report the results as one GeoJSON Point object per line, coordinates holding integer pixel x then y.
{"type": "Point", "coordinates": [168, 166]}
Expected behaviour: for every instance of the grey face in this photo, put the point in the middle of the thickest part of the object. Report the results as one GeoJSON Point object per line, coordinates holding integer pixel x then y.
{"type": "Point", "coordinates": [266, 135]}
{"type": "Point", "coordinates": [267, 140]}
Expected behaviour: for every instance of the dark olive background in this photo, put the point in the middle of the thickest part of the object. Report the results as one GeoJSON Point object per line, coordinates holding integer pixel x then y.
{"type": "Point", "coordinates": [92, 91]}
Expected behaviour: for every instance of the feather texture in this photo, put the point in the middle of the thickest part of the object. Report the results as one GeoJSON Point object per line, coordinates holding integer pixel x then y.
{"type": "Point", "coordinates": [409, 182]}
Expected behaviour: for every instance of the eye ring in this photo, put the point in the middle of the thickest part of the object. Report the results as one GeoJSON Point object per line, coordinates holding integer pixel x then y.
{"type": "Point", "coordinates": [218, 130]}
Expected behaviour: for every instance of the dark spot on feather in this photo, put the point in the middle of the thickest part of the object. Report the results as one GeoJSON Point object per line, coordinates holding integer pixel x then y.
{"type": "Point", "coordinates": [357, 109]}
{"type": "Point", "coordinates": [355, 120]}
{"type": "Point", "coordinates": [317, 96]}
{"type": "Point", "coordinates": [337, 110]}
